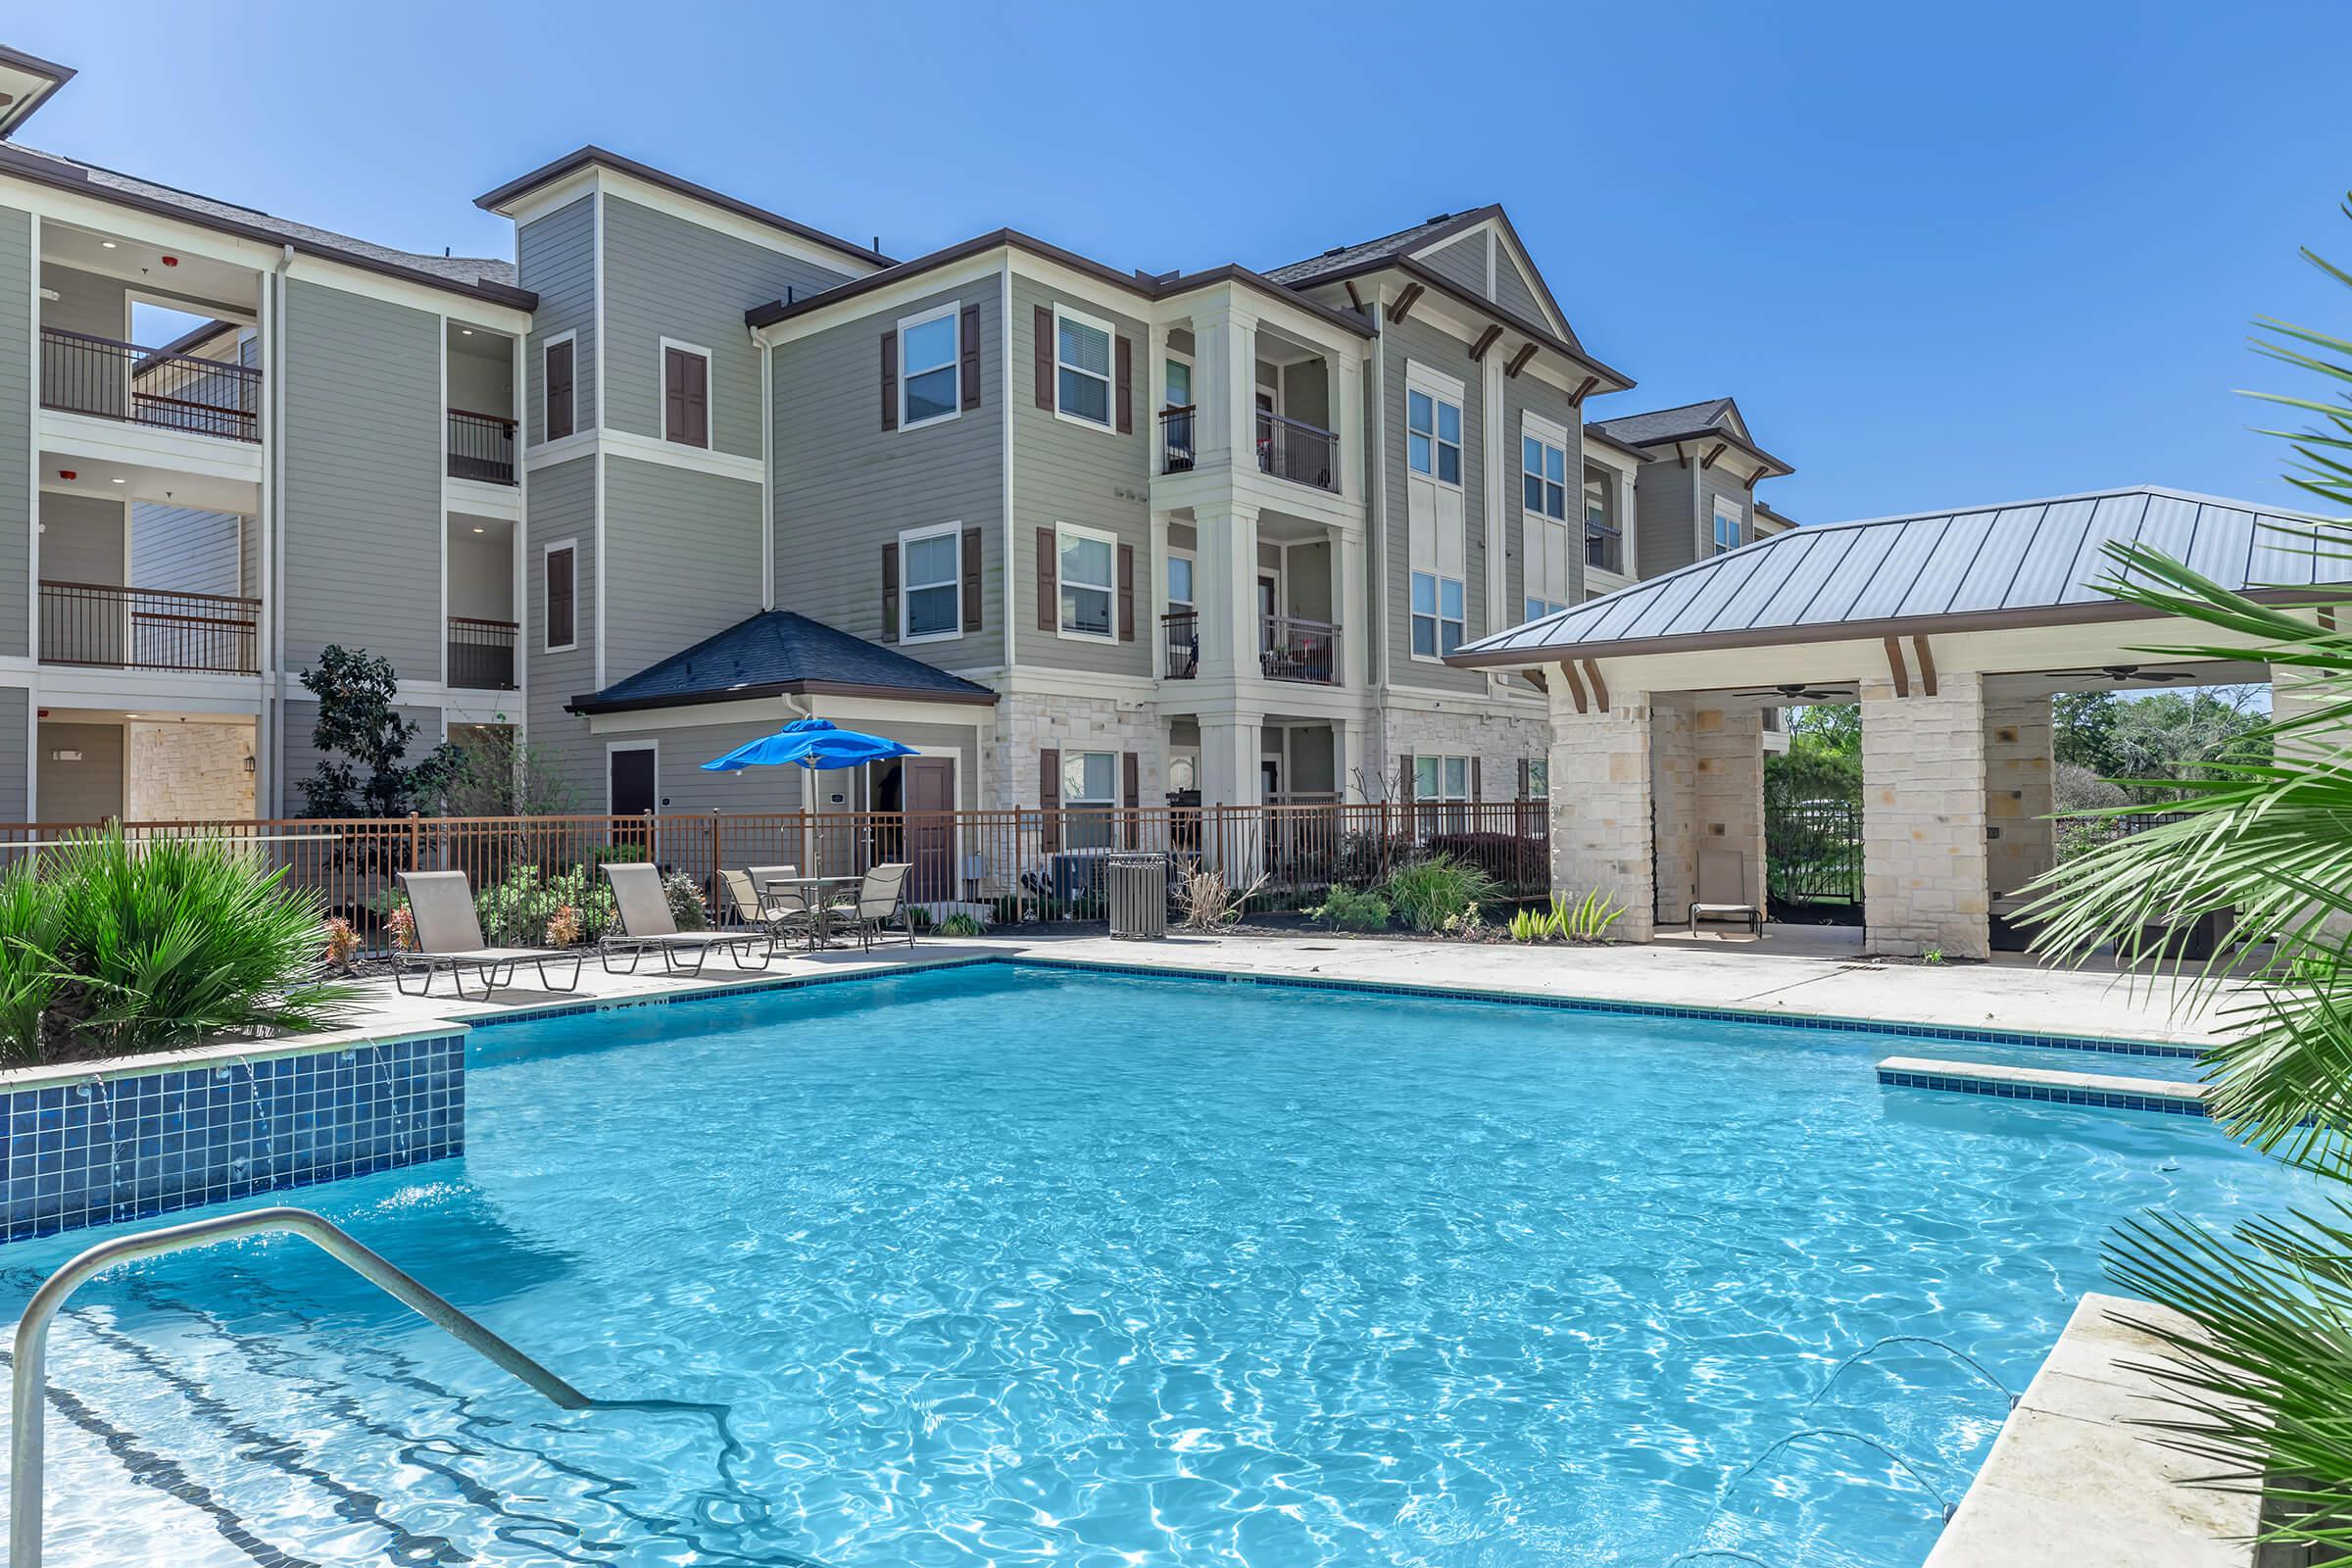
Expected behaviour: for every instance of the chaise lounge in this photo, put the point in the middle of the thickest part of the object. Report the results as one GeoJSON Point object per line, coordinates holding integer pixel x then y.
{"type": "Point", "coordinates": [646, 925]}
{"type": "Point", "coordinates": [448, 937]}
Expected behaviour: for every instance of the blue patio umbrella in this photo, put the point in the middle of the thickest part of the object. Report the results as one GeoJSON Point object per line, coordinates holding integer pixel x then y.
{"type": "Point", "coordinates": [815, 743]}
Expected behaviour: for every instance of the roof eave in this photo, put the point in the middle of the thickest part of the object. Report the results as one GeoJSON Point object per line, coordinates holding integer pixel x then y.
{"type": "Point", "coordinates": [586, 703]}
{"type": "Point", "coordinates": [1609, 379]}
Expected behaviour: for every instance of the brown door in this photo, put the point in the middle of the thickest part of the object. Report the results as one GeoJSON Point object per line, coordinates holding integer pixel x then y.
{"type": "Point", "coordinates": [930, 785]}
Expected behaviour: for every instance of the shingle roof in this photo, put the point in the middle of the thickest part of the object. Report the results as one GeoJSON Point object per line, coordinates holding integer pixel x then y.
{"type": "Point", "coordinates": [1869, 578]}
{"type": "Point", "coordinates": [1713, 416]}
{"type": "Point", "coordinates": [779, 651]}
{"type": "Point", "coordinates": [462, 269]}
{"type": "Point", "coordinates": [1342, 258]}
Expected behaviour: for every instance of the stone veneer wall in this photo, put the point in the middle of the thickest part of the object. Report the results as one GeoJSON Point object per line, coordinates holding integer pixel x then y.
{"type": "Point", "coordinates": [1600, 808]}
{"type": "Point", "coordinates": [187, 772]}
{"type": "Point", "coordinates": [100, 1141]}
{"type": "Point", "coordinates": [1922, 820]}
{"type": "Point", "coordinates": [1031, 722]}
{"type": "Point", "coordinates": [1709, 778]}
{"type": "Point", "coordinates": [2021, 841]}
{"type": "Point", "coordinates": [1500, 742]}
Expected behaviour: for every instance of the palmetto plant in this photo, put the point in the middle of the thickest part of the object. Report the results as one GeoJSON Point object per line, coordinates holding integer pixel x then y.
{"type": "Point", "coordinates": [2262, 1388]}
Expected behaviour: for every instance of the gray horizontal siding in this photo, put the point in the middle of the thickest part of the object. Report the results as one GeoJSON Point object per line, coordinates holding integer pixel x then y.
{"type": "Point", "coordinates": [1417, 340]}
{"type": "Point", "coordinates": [300, 759]}
{"type": "Point", "coordinates": [562, 505]}
{"type": "Point", "coordinates": [1667, 513]}
{"type": "Point", "coordinates": [845, 487]}
{"type": "Point", "coordinates": [667, 277]}
{"type": "Point", "coordinates": [1081, 474]}
{"type": "Point", "coordinates": [188, 550]}
{"type": "Point", "coordinates": [1464, 262]}
{"type": "Point", "coordinates": [363, 479]}
{"type": "Point", "coordinates": [555, 256]}
{"type": "Point", "coordinates": [17, 361]}
{"type": "Point", "coordinates": [1512, 287]}
{"type": "Point", "coordinates": [15, 753]}
{"type": "Point", "coordinates": [682, 550]}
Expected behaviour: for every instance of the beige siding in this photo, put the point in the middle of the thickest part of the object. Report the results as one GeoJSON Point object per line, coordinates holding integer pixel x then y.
{"type": "Point", "coordinates": [363, 490]}
{"type": "Point", "coordinates": [555, 255]}
{"type": "Point", "coordinates": [667, 277]}
{"type": "Point", "coordinates": [682, 548]}
{"type": "Point", "coordinates": [845, 487]}
{"type": "Point", "coordinates": [1064, 472]}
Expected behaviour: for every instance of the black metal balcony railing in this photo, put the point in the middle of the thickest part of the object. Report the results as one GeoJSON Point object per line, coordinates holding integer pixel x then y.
{"type": "Point", "coordinates": [1292, 649]}
{"type": "Point", "coordinates": [1180, 630]}
{"type": "Point", "coordinates": [114, 380]}
{"type": "Point", "coordinates": [1602, 543]}
{"type": "Point", "coordinates": [1176, 439]}
{"type": "Point", "coordinates": [1304, 454]}
{"type": "Point", "coordinates": [482, 654]}
{"type": "Point", "coordinates": [481, 446]}
{"type": "Point", "coordinates": [145, 628]}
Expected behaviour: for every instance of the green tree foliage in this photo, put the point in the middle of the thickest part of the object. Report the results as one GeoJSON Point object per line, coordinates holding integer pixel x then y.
{"type": "Point", "coordinates": [363, 741]}
{"type": "Point", "coordinates": [2084, 722]}
{"type": "Point", "coordinates": [1824, 759]}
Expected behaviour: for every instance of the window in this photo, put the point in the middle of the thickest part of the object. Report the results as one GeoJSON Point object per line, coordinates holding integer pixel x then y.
{"type": "Point", "coordinates": [1441, 787]}
{"type": "Point", "coordinates": [1730, 524]}
{"type": "Point", "coordinates": [1537, 609]}
{"type": "Point", "coordinates": [932, 604]}
{"type": "Point", "coordinates": [1180, 583]}
{"type": "Point", "coordinates": [1179, 373]}
{"type": "Point", "coordinates": [685, 394]}
{"type": "Point", "coordinates": [1089, 588]}
{"type": "Point", "coordinates": [1539, 778]}
{"type": "Point", "coordinates": [1601, 538]}
{"type": "Point", "coordinates": [1082, 369]}
{"type": "Point", "coordinates": [1437, 615]}
{"type": "Point", "coordinates": [561, 416]}
{"type": "Point", "coordinates": [1433, 436]}
{"type": "Point", "coordinates": [1544, 477]}
{"type": "Point", "coordinates": [1090, 790]}
{"type": "Point", "coordinates": [559, 615]}
{"type": "Point", "coordinates": [929, 366]}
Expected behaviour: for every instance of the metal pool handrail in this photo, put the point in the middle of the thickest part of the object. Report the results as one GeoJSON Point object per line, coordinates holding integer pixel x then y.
{"type": "Point", "coordinates": [28, 1403]}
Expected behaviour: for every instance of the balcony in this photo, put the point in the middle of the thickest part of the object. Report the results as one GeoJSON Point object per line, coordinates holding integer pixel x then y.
{"type": "Point", "coordinates": [1301, 453]}
{"type": "Point", "coordinates": [1176, 439]}
{"type": "Point", "coordinates": [481, 447]}
{"type": "Point", "coordinates": [482, 654]}
{"type": "Point", "coordinates": [1180, 633]}
{"type": "Point", "coordinates": [108, 379]}
{"type": "Point", "coordinates": [110, 626]}
{"type": "Point", "coordinates": [1294, 650]}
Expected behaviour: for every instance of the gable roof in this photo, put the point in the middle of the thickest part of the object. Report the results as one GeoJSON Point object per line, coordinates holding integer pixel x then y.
{"type": "Point", "coordinates": [2027, 562]}
{"type": "Point", "coordinates": [1342, 260]}
{"type": "Point", "coordinates": [488, 277]}
{"type": "Point", "coordinates": [775, 652]}
{"type": "Point", "coordinates": [1716, 418]}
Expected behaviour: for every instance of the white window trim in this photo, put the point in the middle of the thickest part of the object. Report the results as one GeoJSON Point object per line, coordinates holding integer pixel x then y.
{"type": "Point", "coordinates": [571, 337]}
{"type": "Point", "coordinates": [1419, 377]}
{"type": "Point", "coordinates": [1441, 758]}
{"type": "Point", "coordinates": [1111, 377]}
{"type": "Point", "coordinates": [611, 747]}
{"type": "Point", "coordinates": [1111, 801]}
{"type": "Point", "coordinates": [1192, 375]}
{"type": "Point", "coordinates": [709, 441]}
{"type": "Point", "coordinates": [554, 547]}
{"type": "Point", "coordinates": [1071, 530]}
{"type": "Point", "coordinates": [1534, 426]}
{"type": "Point", "coordinates": [1411, 615]}
{"type": "Point", "coordinates": [912, 536]}
{"type": "Point", "coordinates": [1539, 766]}
{"type": "Point", "coordinates": [1739, 515]}
{"type": "Point", "coordinates": [1190, 559]}
{"type": "Point", "coordinates": [954, 312]}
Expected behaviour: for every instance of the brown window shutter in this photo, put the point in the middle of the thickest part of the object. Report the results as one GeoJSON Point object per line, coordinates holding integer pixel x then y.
{"type": "Point", "coordinates": [1126, 593]}
{"type": "Point", "coordinates": [1478, 783]}
{"type": "Point", "coordinates": [890, 381]}
{"type": "Point", "coordinates": [1043, 355]}
{"type": "Point", "coordinates": [1131, 792]}
{"type": "Point", "coordinates": [558, 391]}
{"type": "Point", "coordinates": [1404, 775]}
{"type": "Point", "coordinates": [698, 400]}
{"type": "Point", "coordinates": [967, 343]}
{"type": "Point", "coordinates": [889, 593]}
{"type": "Point", "coordinates": [1125, 380]}
{"type": "Point", "coordinates": [1048, 583]}
{"type": "Point", "coordinates": [563, 573]}
{"type": "Point", "coordinates": [971, 579]}
{"type": "Point", "coordinates": [1049, 797]}
{"type": "Point", "coordinates": [673, 396]}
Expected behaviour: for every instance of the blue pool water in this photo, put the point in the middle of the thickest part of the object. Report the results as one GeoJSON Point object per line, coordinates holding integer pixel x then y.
{"type": "Point", "coordinates": [1024, 1266]}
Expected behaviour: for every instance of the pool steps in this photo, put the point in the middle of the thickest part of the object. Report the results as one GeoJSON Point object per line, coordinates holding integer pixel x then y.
{"type": "Point", "coordinates": [2107, 1091]}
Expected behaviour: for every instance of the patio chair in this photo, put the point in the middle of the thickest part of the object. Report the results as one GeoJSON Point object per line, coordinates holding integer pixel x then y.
{"type": "Point", "coordinates": [779, 911]}
{"type": "Point", "coordinates": [646, 925]}
{"type": "Point", "coordinates": [881, 893]}
{"type": "Point", "coordinates": [1723, 891]}
{"type": "Point", "coordinates": [448, 937]}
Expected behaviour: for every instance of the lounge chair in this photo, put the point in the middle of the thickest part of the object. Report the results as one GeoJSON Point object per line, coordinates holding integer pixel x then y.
{"type": "Point", "coordinates": [1723, 891]}
{"type": "Point", "coordinates": [782, 912]}
{"type": "Point", "coordinates": [881, 893]}
{"type": "Point", "coordinates": [449, 936]}
{"type": "Point", "coordinates": [646, 925]}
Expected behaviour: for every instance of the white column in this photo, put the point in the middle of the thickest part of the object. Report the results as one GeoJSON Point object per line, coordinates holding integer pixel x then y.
{"type": "Point", "coordinates": [1352, 609]}
{"type": "Point", "coordinates": [1158, 598]}
{"type": "Point", "coordinates": [1601, 804]}
{"type": "Point", "coordinates": [1225, 579]}
{"type": "Point", "coordinates": [1923, 876]}
{"type": "Point", "coordinates": [1224, 380]}
{"type": "Point", "coordinates": [1348, 419]}
{"type": "Point", "coordinates": [1358, 777]}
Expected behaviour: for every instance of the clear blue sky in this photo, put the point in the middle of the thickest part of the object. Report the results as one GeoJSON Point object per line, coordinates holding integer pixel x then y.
{"type": "Point", "coordinates": [1940, 255]}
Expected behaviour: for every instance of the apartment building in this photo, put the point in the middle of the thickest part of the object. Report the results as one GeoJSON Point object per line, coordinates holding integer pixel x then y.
{"type": "Point", "coordinates": [687, 468]}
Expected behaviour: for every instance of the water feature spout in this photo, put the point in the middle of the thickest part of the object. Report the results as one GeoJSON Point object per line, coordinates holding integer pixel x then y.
{"type": "Point", "coordinates": [1843, 1434]}
{"type": "Point", "coordinates": [1956, 1353]}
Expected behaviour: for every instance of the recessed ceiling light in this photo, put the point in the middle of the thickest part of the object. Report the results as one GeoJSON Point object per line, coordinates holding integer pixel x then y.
{"type": "Point", "coordinates": [107, 244]}
{"type": "Point", "coordinates": [477, 527]}
{"type": "Point", "coordinates": [131, 716]}
{"type": "Point", "coordinates": [464, 331]}
{"type": "Point", "coordinates": [115, 481]}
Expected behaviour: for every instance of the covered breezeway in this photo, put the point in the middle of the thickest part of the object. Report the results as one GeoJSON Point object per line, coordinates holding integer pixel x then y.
{"type": "Point", "coordinates": [1952, 632]}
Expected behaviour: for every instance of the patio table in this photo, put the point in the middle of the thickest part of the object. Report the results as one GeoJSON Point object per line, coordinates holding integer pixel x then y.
{"type": "Point", "coordinates": [819, 906]}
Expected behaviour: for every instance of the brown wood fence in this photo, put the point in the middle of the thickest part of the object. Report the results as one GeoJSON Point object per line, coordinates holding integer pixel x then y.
{"type": "Point", "coordinates": [1019, 864]}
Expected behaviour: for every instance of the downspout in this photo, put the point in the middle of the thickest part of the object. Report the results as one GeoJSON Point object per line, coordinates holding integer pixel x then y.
{"type": "Point", "coordinates": [1376, 614]}
{"type": "Point", "coordinates": [273, 551]}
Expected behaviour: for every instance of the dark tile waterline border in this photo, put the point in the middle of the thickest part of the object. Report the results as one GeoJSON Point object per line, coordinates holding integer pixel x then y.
{"type": "Point", "coordinates": [1960, 1082]}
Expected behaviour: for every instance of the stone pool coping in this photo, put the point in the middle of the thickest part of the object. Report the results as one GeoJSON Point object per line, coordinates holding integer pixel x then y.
{"type": "Point", "coordinates": [108, 1069]}
{"type": "Point", "coordinates": [2073, 1482]}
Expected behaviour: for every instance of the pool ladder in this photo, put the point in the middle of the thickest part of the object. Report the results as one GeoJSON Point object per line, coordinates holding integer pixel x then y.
{"type": "Point", "coordinates": [28, 1402]}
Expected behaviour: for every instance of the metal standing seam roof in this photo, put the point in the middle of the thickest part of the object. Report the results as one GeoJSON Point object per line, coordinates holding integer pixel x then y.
{"type": "Point", "coordinates": [776, 651]}
{"type": "Point", "coordinates": [1984, 562]}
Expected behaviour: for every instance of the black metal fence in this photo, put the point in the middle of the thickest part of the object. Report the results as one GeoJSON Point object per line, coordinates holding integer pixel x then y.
{"type": "Point", "coordinates": [482, 654]}
{"type": "Point", "coordinates": [114, 380]}
{"type": "Point", "coordinates": [1813, 851]}
{"type": "Point", "coordinates": [144, 628]}
{"type": "Point", "coordinates": [481, 446]}
{"type": "Point", "coordinates": [1176, 440]}
{"type": "Point", "coordinates": [1180, 630]}
{"type": "Point", "coordinates": [1288, 449]}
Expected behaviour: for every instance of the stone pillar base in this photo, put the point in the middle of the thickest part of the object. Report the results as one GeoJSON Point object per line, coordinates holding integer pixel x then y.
{"type": "Point", "coordinates": [1923, 821]}
{"type": "Point", "coordinates": [1600, 809]}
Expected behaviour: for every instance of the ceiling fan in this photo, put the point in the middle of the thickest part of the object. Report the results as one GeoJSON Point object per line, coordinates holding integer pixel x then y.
{"type": "Point", "coordinates": [1796, 691]}
{"type": "Point", "coordinates": [2119, 674]}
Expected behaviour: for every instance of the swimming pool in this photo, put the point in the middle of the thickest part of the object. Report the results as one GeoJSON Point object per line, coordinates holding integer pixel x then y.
{"type": "Point", "coordinates": [1020, 1265]}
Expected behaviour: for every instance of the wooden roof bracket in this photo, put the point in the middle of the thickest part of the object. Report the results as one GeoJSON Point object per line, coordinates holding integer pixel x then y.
{"type": "Point", "coordinates": [1600, 688]}
{"type": "Point", "coordinates": [1682, 454]}
{"type": "Point", "coordinates": [1518, 361]}
{"type": "Point", "coordinates": [1576, 399]}
{"type": "Point", "coordinates": [1927, 666]}
{"type": "Point", "coordinates": [1708, 462]}
{"type": "Point", "coordinates": [1354, 298]}
{"type": "Point", "coordinates": [1405, 302]}
{"type": "Point", "coordinates": [1486, 341]}
{"type": "Point", "coordinates": [1576, 687]}
{"type": "Point", "coordinates": [1895, 666]}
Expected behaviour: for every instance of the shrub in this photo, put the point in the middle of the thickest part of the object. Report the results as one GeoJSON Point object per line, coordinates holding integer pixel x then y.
{"type": "Point", "coordinates": [564, 926]}
{"type": "Point", "coordinates": [1586, 920]}
{"type": "Point", "coordinates": [1428, 892]}
{"type": "Point", "coordinates": [1208, 903]}
{"type": "Point", "coordinates": [517, 912]}
{"type": "Point", "coordinates": [1352, 910]}
{"type": "Point", "coordinates": [1533, 925]}
{"type": "Point", "coordinates": [182, 938]}
{"type": "Point", "coordinates": [29, 917]}
{"type": "Point", "coordinates": [400, 928]}
{"type": "Point", "coordinates": [685, 896]}
{"type": "Point", "coordinates": [342, 945]}
{"type": "Point", "coordinates": [961, 925]}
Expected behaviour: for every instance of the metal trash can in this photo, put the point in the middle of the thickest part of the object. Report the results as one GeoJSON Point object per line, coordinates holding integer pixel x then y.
{"type": "Point", "coordinates": [1138, 896]}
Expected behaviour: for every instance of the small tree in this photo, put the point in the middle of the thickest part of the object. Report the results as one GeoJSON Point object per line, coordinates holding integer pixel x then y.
{"type": "Point", "coordinates": [494, 773]}
{"type": "Point", "coordinates": [362, 742]}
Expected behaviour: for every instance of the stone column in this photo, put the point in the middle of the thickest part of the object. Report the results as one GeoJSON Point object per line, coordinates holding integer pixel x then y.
{"type": "Point", "coordinates": [1673, 788]}
{"type": "Point", "coordinates": [1600, 804]}
{"type": "Point", "coordinates": [2021, 841]}
{"type": "Point", "coordinates": [1922, 820]}
{"type": "Point", "coordinates": [2297, 694]}
{"type": "Point", "coordinates": [1728, 792]}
